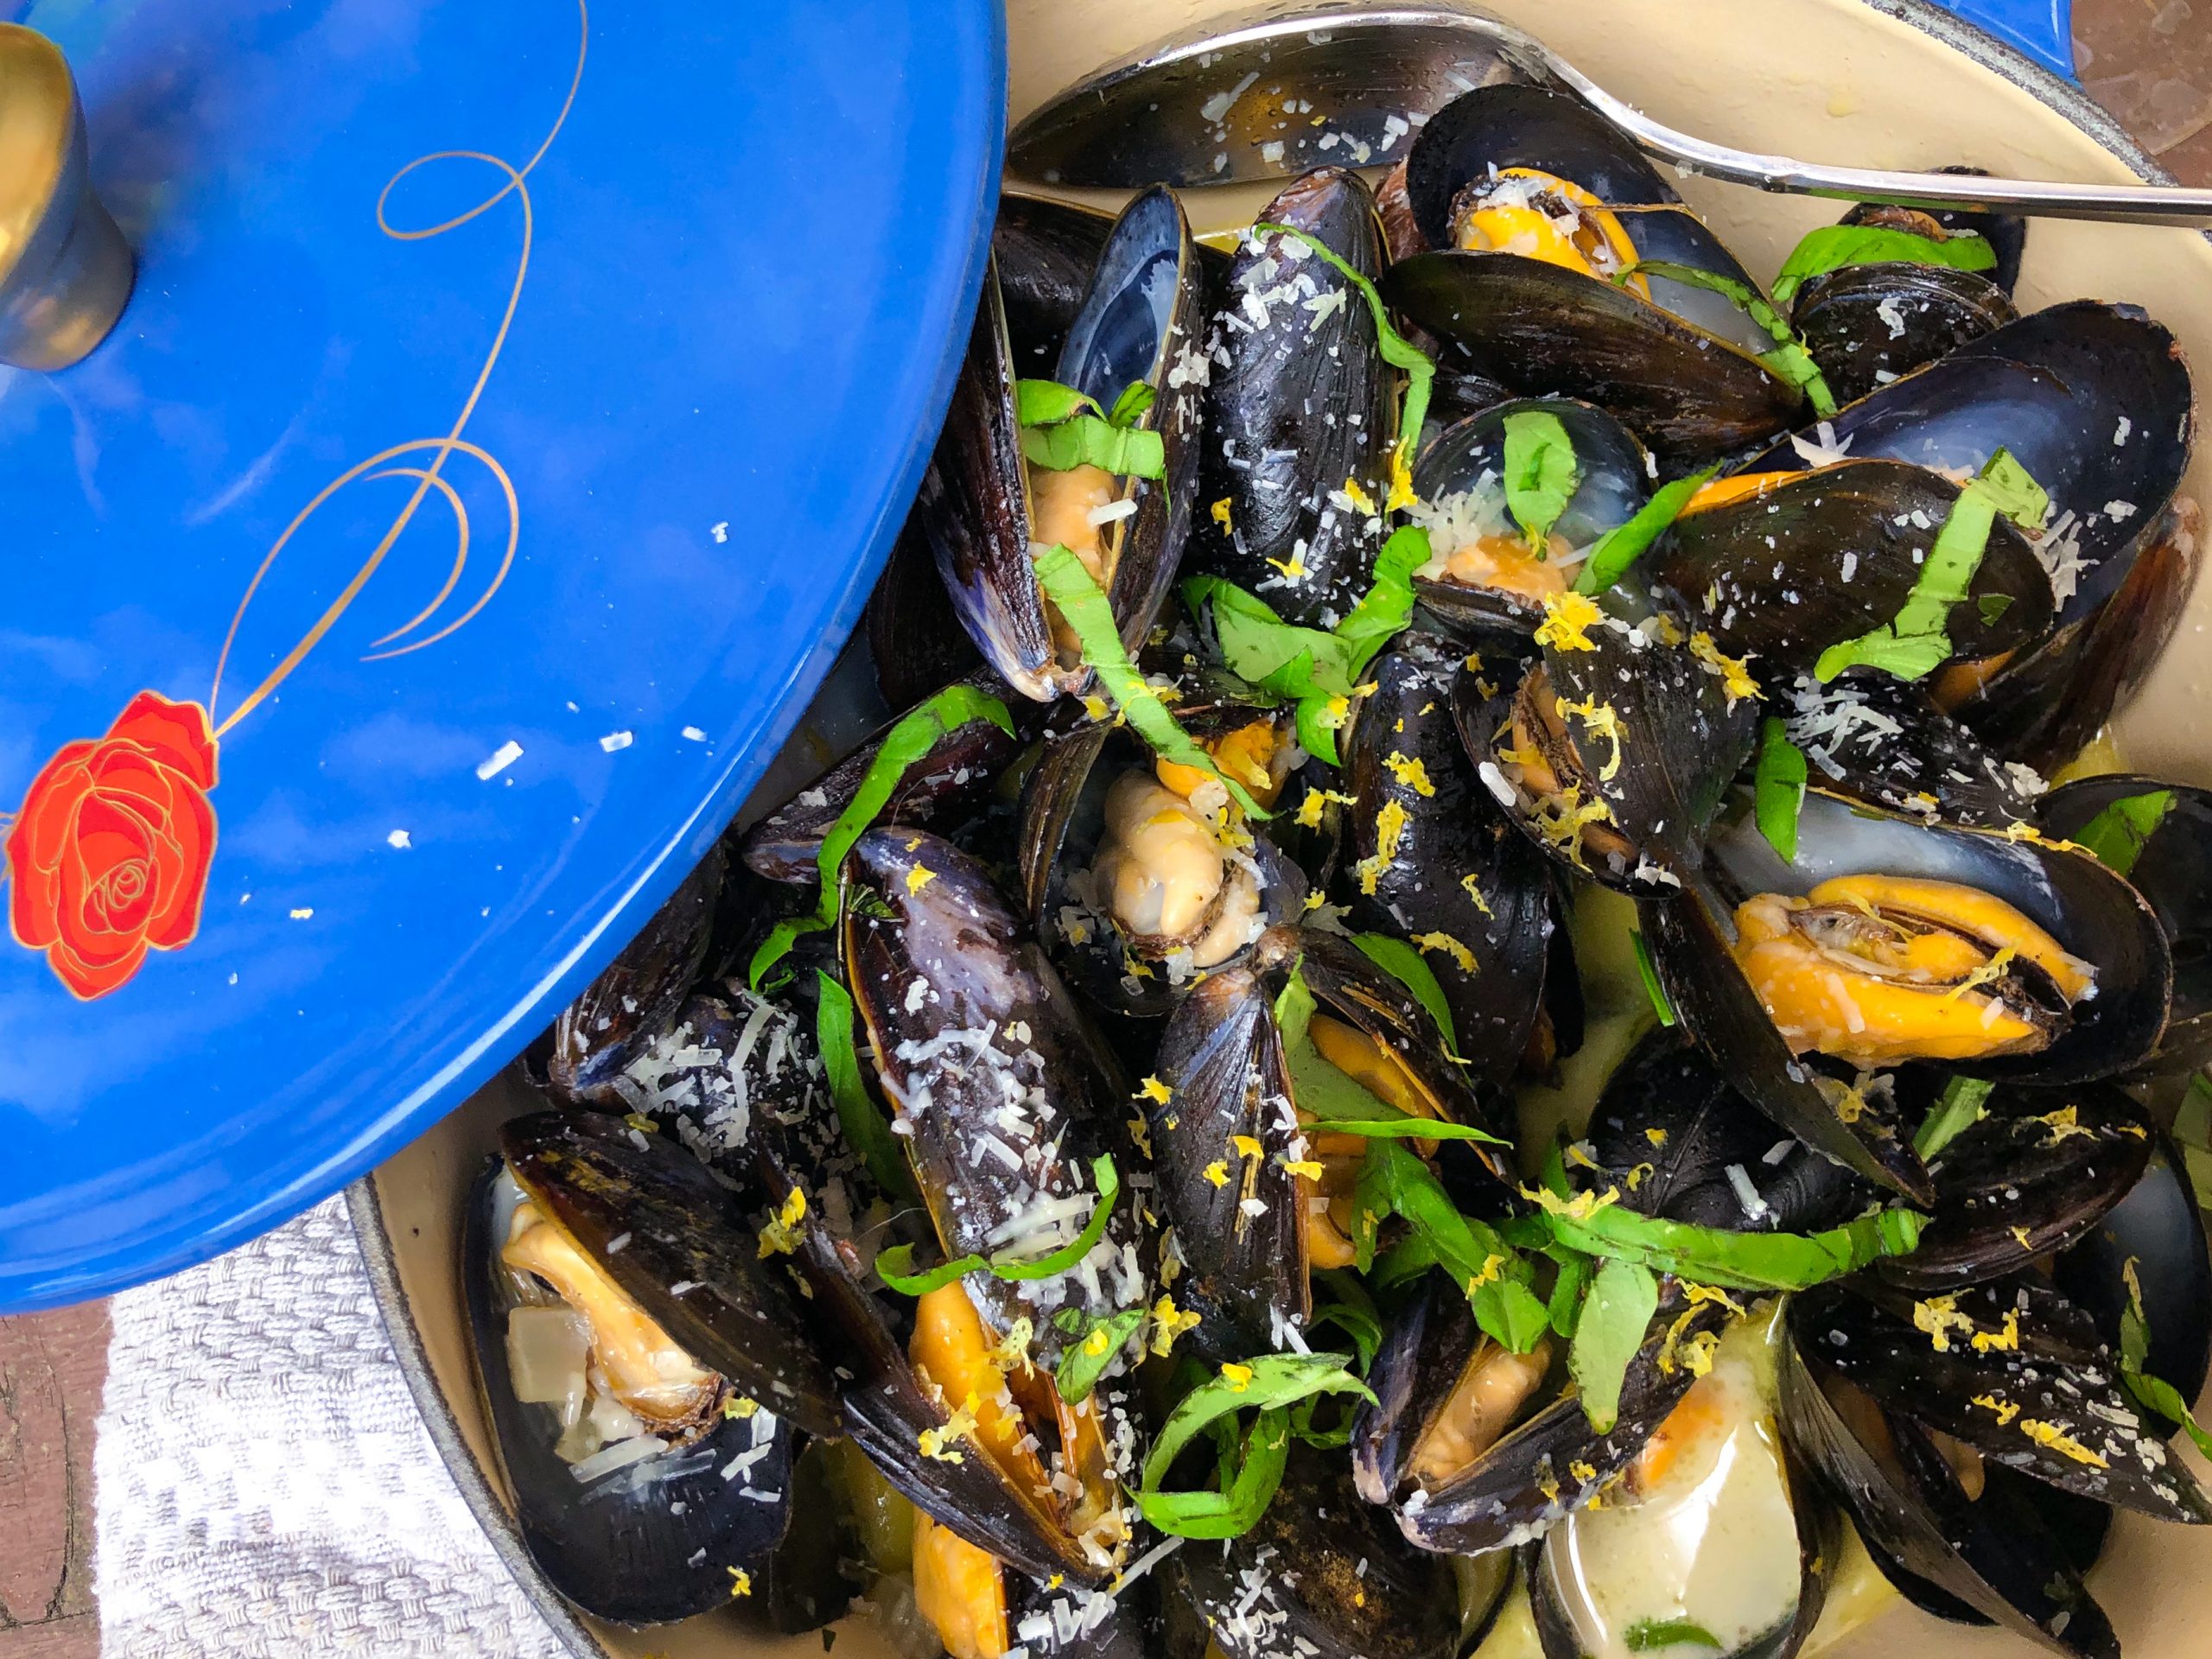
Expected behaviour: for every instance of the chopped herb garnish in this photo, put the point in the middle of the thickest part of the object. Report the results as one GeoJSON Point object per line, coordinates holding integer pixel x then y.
{"type": "Point", "coordinates": [908, 743]}
{"type": "Point", "coordinates": [1575, 1271]}
{"type": "Point", "coordinates": [1649, 1635]}
{"type": "Point", "coordinates": [1393, 1181]}
{"type": "Point", "coordinates": [1960, 1106]}
{"type": "Point", "coordinates": [1992, 607]}
{"type": "Point", "coordinates": [1084, 1360]}
{"type": "Point", "coordinates": [1398, 351]}
{"type": "Point", "coordinates": [1615, 1315]}
{"type": "Point", "coordinates": [1652, 988]}
{"type": "Point", "coordinates": [1600, 1226]}
{"type": "Point", "coordinates": [1070, 588]}
{"type": "Point", "coordinates": [1833, 247]}
{"type": "Point", "coordinates": [1541, 474]}
{"type": "Point", "coordinates": [1267, 1384]}
{"type": "Point", "coordinates": [1058, 434]}
{"type": "Point", "coordinates": [1351, 1311]}
{"type": "Point", "coordinates": [2119, 833]}
{"type": "Point", "coordinates": [1916, 643]}
{"type": "Point", "coordinates": [1613, 554]}
{"type": "Point", "coordinates": [2151, 1393]}
{"type": "Point", "coordinates": [1788, 362]}
{"type": "Point", "coordinates": [865, 1130]}
{"type": "Point", "coordinates": [894, 1266]}
{"type": "Point", "coordinates": [1136, 399]}
{"type": "Point", "coordinates": [1405, 965]}
{"type": "Point", "coordinates": [1779, 790]}
{"type": "Point", "coordinates": [1047, 403]}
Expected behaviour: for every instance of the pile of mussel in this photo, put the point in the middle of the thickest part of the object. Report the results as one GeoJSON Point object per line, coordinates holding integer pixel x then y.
{"type": "Point", "coordinates": [1456, 1006]}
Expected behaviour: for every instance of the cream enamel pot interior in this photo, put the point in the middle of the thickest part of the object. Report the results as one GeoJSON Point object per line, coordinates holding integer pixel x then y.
{"type": "Point", "coordinates": [1829, 79]}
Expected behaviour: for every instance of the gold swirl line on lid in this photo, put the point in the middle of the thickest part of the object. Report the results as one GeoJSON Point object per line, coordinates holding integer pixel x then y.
{"type": "Point", "coordinates": [430, 475]}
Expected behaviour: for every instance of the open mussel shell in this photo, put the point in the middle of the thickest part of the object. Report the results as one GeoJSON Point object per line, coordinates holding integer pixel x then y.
{"type": "Point", "coordinates": [963, 1018]}
{"type": "Point", "coordinates": [2094, 916]}
{"type": "Point", "coordinates": [1430, 857]}
{"type": "Point", "coordinates": [1460, 479]}
{"type": "Point", "coordinates": [1104, 844]}
{"type": "Point", "coordinates": [1883, 741]}
{"type": "Point", "coordinates": [1624, 714]}
{"type": "Point", "coordinates": [1045, 250]}
{"type": "Point", "coordinates": [1821, 557]}
{"type": "Point", "coordinates": [1299, 405]}
{"type": "Point", "coordinates": [1678, 1140]}
{"type": "Point", "coordinates": [2038, 1175]}
{"type": "Point", "coordinates": [2012, 1369]}
{"type": "Point", "coordinates": [1345, 1587]}
{"type": "Point", "coordinates": [2171, 867]}
{"type": "Point", "coordinates": [2007, 234]}
{"type": "Point", "coordinates": [602, 1031]}
{"type": "Point", "coordinates": [653, 1218]}
{"type": "Point", "coordinates": [1515, 126]}
{"type": "Point", "coordinates": [647, 1543]}
{"type": "Point", "coordinates": [2155, 1237]}
{"type": "Point", "coordinates": [1241, 1225]}
{"type": "Point", "coordinates": [1726, 1536]}
{"type": "Point", "coordinates": [977, 506]}
{"type": "Point", "coordinates": [1958, 1556]}
{"type": "Point", "coordinates": [1867, 325]}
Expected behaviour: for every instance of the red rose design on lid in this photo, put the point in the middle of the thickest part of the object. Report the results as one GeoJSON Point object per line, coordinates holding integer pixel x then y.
{"type": "Point", "coordinates": [109, 855]}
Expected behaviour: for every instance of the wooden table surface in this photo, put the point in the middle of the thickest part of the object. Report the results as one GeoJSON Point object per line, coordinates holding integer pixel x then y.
{"type": "Point", "coordinates": [2150, 61]}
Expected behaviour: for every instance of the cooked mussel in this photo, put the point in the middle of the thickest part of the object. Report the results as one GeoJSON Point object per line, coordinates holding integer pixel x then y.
{"type": "Point", "coordinates": [1141, 871]}
{"type": "Point", "coordinates": [1254, 1206]}
{"type": "Point", "coordinates": [1487, 571]}
{"type": "Point", "coordinates": [1298, 409]}
{"type": "Point", "coordinates": [983, 503]}
{"type": "Point", "coordinates": [2159, 837]}
{"type": "Point", "coordinates": [1888, 939]}
{"type": "Point", "coordinates": [1538, 215]}
{"type": "Point", "coordinates": [1613, 752]}
{"type": "Point", "coordinates": [1781, 566]}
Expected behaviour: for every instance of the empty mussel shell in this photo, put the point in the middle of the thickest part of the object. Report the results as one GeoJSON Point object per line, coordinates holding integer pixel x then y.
{"type": "Point", "coordinates": [1045, 250]}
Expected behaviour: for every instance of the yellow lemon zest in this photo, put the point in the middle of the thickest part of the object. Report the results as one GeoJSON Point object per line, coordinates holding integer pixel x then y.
{"type": "Point", "coordinates": [1220, 512]}
{"type": "Point", "coordinates": [1389, 832]}
{"type": "Point", "coordinates": [1218, 1173]}
{"type": "Point", "coordinates": [780, 1236]}
{"type": "Point", "coordinates": [1310, 809]}
{"type": "Point", "coordinates": [1736, 681]}
{"type": "Point", "coordinates": [2059, 1440]}
{"type": "Point", "coordinates": [1359, 497]}
{"type": "Point", "coordinates": [1169, 1322]}
{"type": "Point", "coordinates": [1656, 1137]}
{"type": "Point", "coordinates": [741, 1406]}
{"type": "Point", "coordinates": [741, 1582]}
{"type": "Point", "coordinates": [1154, 1090]}
{"type": "Point", "coordinates": [1012, 1352]}
{"type": "Point", "coordinates": [1471, 886]}
{"type": "Point", "coordinates": [1581, 1470]}
{"type": "Point", "coordinates": [2004, 1409]}
{"type": "Point", "coordinates": [1714, 1294]}
{"type": "Point", "coordinates": [1239, 1378]}
{"type": "Point", "coordinates": [1940, 1319]}
{"type": "Point", "coordinates": [1600, 720]}
{"type": "Point", "coordinates": [919, 877]}
{"type": "Point", "coordinates": [1304, 1167]}
{"type": "Point", "coordinates": [1411, 773]}
{"type": "Point", "coordinates": [940, 1443]}
{"type": "Point", "coordinates": [1568, 617]}
{"type": "Point", "coordinates": [2004, 1341]}
{"type": "Point", "coordinates": [1247, 1145]}
{"type": "Point", "coordinates": [1450, 946]}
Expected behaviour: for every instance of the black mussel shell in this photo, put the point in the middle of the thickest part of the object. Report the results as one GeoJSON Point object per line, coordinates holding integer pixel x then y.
{"type": "Point", "coordinates": [1825, 557]}
{"type": "Point", "coordinates": [1303, 405]}
{"type": "Point", "coordinates": [950, 781]}
{"type": "Point", "coordinates": [963, 1014]}
{"type": "Point", "coordinates": [2093, 914]}
{"type": "Point", "coordinates": [914, 637]}
{"type": "Point", "coordinates": [1685, 719]}
{"type": "Point", "coordinates": [1883, 741]}
{"type": "Point", "coordinates": [2171, 867]}
{"type": "Point", "coordinates": [1674, 1136]}
{"type": "Point", "coordinates": [1867, 325]}
{"type": "Point", "coordinates": [1714, 1004]}
{"type": "Point", "coordinates": [1993, 1557]}
{"type": "Point", "coordinates": [626, 1007]}
{"type": "Point", "coordinates": [811, 1578]}
{"type": "Point", "coordinates": [2035, 1176]}
{"type": "Point", "coordinates": [1321, 1574]}
{"type": "Point", "coordinates": [1508, 126]}
{"type": "Point", "coordinates": [652, 1217]}
{"type": "Point", "coordinates": [650, 1543]}
{"type": "Point", "coordinates": [1045, 250]}
{"type": "Point", "coordinates": [2157, 1233]}
{"type": "Point", "coordinates": [1455, 879]}
{"type": "Point", "coordinates": [1459, 481]}
{"type": "Point", "coordinates": [2011, 1369]}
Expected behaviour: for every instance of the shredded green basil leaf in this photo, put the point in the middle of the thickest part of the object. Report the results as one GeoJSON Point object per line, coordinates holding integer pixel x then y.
{"type": "Point", "coordinates": [1351, 1310]}
{"type": "Point", "coordinates": [1833, 247]}
{"type": "Point", "coordinates": [1088, 441]}
{"type": "Point", "coordinates": [1047, 403]}
{"type": "Point", "coordinates": [2119, 833]}
{"type": "Point", "coordinates": [865, 1130]}
{"type": "Point", "coordinates": [1393, 1181]}
{"type": "Point", "coordinates": [1958, 1109]}
{"type": "Point", "coordinates": [894, 1266]}
{"type": "Point", "coordinates": [1788, 362]}
{"type": "Point", "coordinates": [1541, 474]}
{"type": "Point", "coordinates": [1267, 1384]}
{"type": "Point", "coordinates": [1575, 1271]}
{"type": "Point", "coordinates": [1916, 643]}
{"type": "Point", "coordinates": [1069, 586]}
{"type": "Point", "coordinates": [1616, 1312]}
{"type": "Point", "coordinates": [1397, 351]}
{"type": "Point", "coordinates": [1711, 1257]}
{"type": "Point", "coordinates": [1084, 1360]}
{"type": "Point", "coordinates": [908, 744]}
{"type": "Point", "coordinates": [1406, 965]}
{"type": "Point", "coordinates": [1649, 1635]}
{"type": "Point", "coordinates": [1650, 972]}
{"type": "Point", "coordinates": [1137, 398]}
{"type": "Point", "coordinates": [1612, 555]}
{"type": "Point", "coordinates": [2151, 1393]}
{"type": "Point", "coordinates": [1402, 1128]}
{"type": "Point", "coordinates": [1779, 787]}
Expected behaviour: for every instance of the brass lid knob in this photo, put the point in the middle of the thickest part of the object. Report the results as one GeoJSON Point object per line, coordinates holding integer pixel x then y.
{"type": "Point", "coordinates": [65, 269]}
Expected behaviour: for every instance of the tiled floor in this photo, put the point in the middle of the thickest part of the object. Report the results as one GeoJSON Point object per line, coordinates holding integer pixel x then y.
{"type": "Point", "coordinates": [2149, 60]}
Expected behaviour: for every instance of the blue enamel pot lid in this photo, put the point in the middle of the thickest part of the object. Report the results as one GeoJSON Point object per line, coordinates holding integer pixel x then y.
{"type": "Point", "coordinates": [517, 401]}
